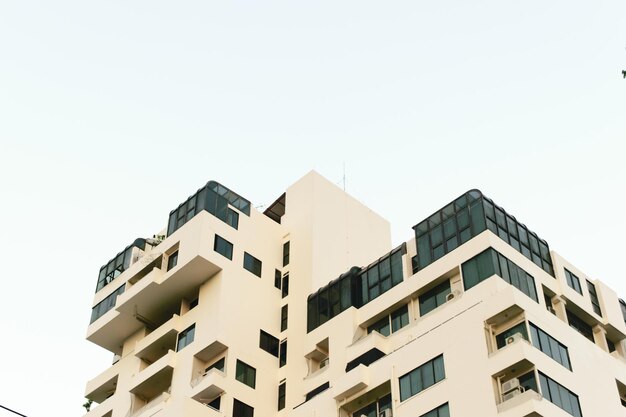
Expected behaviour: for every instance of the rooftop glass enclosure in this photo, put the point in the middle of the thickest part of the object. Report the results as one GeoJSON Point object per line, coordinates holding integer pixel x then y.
{"type": "Point", "coordinates": [466, 217]}
{"type": "Point", "coordinates": [355, 288]}
{"type": "Point", "coordinates": [214, 198]}
{"type": "Point", "coordinates": [119, 264]}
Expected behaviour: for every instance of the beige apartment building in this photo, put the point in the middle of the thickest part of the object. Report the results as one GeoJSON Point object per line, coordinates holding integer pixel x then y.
{"type": "Point", "coordinates": [306, 310]}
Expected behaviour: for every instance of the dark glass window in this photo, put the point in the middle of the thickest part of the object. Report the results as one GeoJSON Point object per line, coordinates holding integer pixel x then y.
{"type": "Point", "coordinates": [282, 394]}
{"type": "Point", "coordinates": [242, 409]}
{"type": "Point", "coordinates": [277, 278]}
{"type": "Point", "coordinates": [213, 198]}
{"type": "Point", "coordinates": [245, 373]}
{"type": "Point", "coordinates": [559, 395]}
{"type": "Point", "coordinates": [285, 285]}
{"type": "Point", "coordinates": [219, 365]}
{"type": "Point", "coordinates": [105, 305]}
{"type": "Point", "coordinates": [185, 337]}
{"type": "Point", "coordinates": [268, 343]}
{"type": "Point", "coordinates": [381, 276]}
{"type": "Point", "coordinates": [441, 411]}
{"type": "Point", "coordinates": [286, 253]}
{"type": "Point", "coordinates": [193, 304]}
{"type": "Point", "coordinates": [375, 408]}
{"type": "Point", "coordinates": [282, 354]}
{"type": "Point", "coordinates": [580, 326]}
{"type": "Point", "coordinates": [317, 391]}
{"type": "Point", "coordinates": [573, 281]}
{"type": "Point", "coordinates": [252, 264]}
{"type": "Point", "coordinates": [593, 295]}
{"type": "Point", "coordinates": [468, 216]}
{"type": "Point", "coordinates": [172, 260]}
{"type": "Point", "coordinates": [550, 346]}
{"type": "Point", "coordinates": [491, 262]}
{"type": "Point", "coordinates": [434, 298]}
{"type": "Point", "coordinates": [283, 317]}
{"type": "Point", "coordinates": [215, 404]}
{"type": "Point", "coordinates": [366, 359]}
{"type": "Point", "coordinates": [391, 322]}
{"type": "Point", "coordinates": [223, 247]}
{"type": "Point", "coordinates": [118, 264]}
{"type": "Point", "coordinates": [501, 339]}
{"type": "Point", "coordinates": [422, 377]}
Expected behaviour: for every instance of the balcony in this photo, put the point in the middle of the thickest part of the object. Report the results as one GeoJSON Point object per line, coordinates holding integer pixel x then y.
{"type": "Point", "coordinates": [157, 344]}
{"type": "Point", "coordinates": [103, 386]}
{"type": "Point", "coordinates": [104, 409]}
{"type": "Point", "coordinates": [526, 404]}
{"type": "Point", "coordinates": [192, 408]}
{"type": "Point", "coordinates": [374, 340]}
{"type": "Point", "coordinates": [351, 383]}
{"type": "Point", "coordinates": [153, 406]}
{"type": "Point", "coordinates": [156, 378]}
{"type": "Point", "coordinates": [208, 386]}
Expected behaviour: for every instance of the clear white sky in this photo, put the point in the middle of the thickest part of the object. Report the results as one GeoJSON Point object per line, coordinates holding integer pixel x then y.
{"type": "Point", "coordinates": [113, 112]}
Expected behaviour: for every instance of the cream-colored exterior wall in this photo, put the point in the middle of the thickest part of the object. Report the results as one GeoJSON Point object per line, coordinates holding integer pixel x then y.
{"type": "Point", "coordinates": [329, 232]}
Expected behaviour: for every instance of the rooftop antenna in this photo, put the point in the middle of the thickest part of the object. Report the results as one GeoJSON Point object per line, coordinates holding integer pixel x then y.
{"type": "Point", "coordinates": [344, 173]}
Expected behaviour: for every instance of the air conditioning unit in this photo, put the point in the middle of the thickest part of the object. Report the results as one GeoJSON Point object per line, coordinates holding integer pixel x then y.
{"type": "Point", "coordinates": [324, 363]}
{"type": "Point", "coordinates": [454, 294]}
{"type": "Point", "coordinates": [514, 338]}
{"type": "Point", "coordinates": [385, 413]}
{"type": "Point", "coordinates": [517, 391]}
{"type": "Point", "coordinates": [510, 385]}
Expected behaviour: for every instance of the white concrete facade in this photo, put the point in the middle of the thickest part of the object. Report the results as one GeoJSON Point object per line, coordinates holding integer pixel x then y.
{"type": "Point", "coordinates": [162, 369]}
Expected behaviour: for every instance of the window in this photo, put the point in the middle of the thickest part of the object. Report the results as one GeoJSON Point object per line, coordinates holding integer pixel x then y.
{"type": "Point", "coordinates": [422, 377]}
{"type": "Point", "coordinates": [213, 198]}
{"type": "Point", "coordinates": [490, 262]}
{"type": "Point", "coordinates": [223, 247]}
{"type": "Point", "coordinates": [242, 409]}
{"type": "Point", "coordinates": [286, 254]}
{"type": "Point", "coordinates": [381, 276]}
{"type": "Point", "coordinates": [119, 264]}
{"type": "Point", "coordinates": [252, 264]}
{"type": "Point", "coordinates": [376, 408]}
{"type": "Point", "coordinates": [277, 278]}
{"type": "Point", "coordinates": [441, 411]}
{"type": "Point", "coordinates": [550, 346]}
{"type": "Point", "coordinates": [193, 303]}
{"type": "Point", "coordinates": [501, 339]}
{"type": "Point", "coordinates": [580, 326]}
{"type": "Point", "coordinates": [573, 281]}
{"type": "Point", "coordinates": [392, 322]}
{"type": "Point", "coordinates": [468, 216]}
{"type": "Point", "coordinates": [593, 295]}
{"type": "Point", "coordinates": [366, 359]}
{"type": "Point", "coordinates": [317, 391]}
{"type": "Point", "coordinates": [219, 365]}
{"type": "Point", "coordinates": [215, 404]}
{"type": "Point", "coordinates": [185, 337]}
{"type": "Point", "coordinates": [172, 260]}
{"type": "Point", "coordinates": [282, 393]}
{"type": "Point", "coordinates": [105, 305]}
{"type": "Point", "coordinates": [285, 285]}
{"type": "Point", "coordinates": [559, 395]}
{"type": "Point", "coordinates": [245, 373]}
{"type": "Point", "coordinates": [268, 343]}
{"type": "Point", "coordinates": [282, 354]}
{"type": "Point", "coordinates": [434, 298]}
{"type": "Point", "coordinates": [283, 317]}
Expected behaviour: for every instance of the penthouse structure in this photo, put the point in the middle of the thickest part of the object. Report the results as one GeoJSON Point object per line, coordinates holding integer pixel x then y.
{"type": "Point", "coordinates": [306, 310]}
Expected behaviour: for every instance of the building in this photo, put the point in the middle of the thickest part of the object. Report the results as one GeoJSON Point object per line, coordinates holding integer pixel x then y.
{"type": "Point", "coordinates": [306, 310]}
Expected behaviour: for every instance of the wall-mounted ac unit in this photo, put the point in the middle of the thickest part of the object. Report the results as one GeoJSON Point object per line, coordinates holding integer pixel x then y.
{"type": "Point", "coordinates": [510, 385]}
{"type": "Point", "coordinates": [517, 391]}
{"type": "Point", "coordinates": [514, 338]}
{"type": "Point", "coordinates": [454, 294]}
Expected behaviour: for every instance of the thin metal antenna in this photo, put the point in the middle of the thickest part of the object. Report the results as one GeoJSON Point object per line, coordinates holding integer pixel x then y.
{"type": "Point", "coordinates": [344, 176]}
